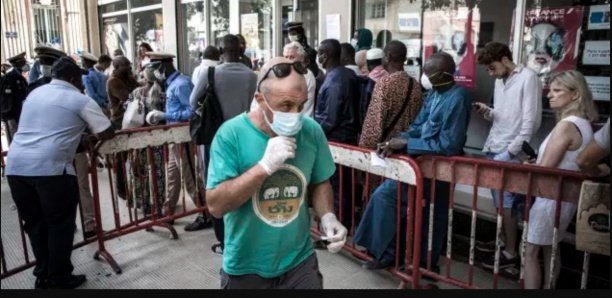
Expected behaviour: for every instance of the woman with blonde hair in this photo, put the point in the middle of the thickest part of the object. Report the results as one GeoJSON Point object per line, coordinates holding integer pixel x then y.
{"type": "Point", "coordinates": [572, 102]}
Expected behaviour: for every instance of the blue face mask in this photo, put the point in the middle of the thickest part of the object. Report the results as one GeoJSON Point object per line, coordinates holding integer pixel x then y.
{"type": "Point", "coordinates": [285, 124]}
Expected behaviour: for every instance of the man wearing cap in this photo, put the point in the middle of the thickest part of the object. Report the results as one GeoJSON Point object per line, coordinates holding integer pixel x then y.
{"type": "Point", "coordinates": [13, 91]}
{"type": "Point", "coordinates": [95, 80]}
{"type": "Point", "coordinates": [375, 66]}
{"type": "Point", "coordinates": [41, 175]}
{"type": "Point", "coordinates": [337, 111]}
{"type": "Point", "coordinates": [265, 166]}
{"type": "Point", "coordinates": [297, 33]}
{"type": "Point", "coordinates": [178, 91]}
{"type": "Point", "coordinates": [45, 56]}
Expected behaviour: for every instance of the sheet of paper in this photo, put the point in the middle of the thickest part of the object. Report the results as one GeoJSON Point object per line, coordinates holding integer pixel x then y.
{"type": "Point", "coordinates": [378, 162]}
{"type": "Point", "coordinates": [333, 26]}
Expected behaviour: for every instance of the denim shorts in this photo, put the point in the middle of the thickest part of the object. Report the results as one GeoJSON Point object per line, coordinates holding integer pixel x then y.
{"type": "Point", "coordinates": [513, 201]}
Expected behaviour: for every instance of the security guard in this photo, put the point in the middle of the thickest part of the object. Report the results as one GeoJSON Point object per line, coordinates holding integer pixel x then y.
{"type": "Point", "coordinates": [46, 56]}
{"type": "Point", "coordinates": [13, 91]}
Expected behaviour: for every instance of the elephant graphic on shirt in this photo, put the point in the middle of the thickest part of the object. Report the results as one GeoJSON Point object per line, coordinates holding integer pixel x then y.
{"type": "Point", "coordinates": [290, 192]}
{"type": "Point", "coordinates": [272, 193]}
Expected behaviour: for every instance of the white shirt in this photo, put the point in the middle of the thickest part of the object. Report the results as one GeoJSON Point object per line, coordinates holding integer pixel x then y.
{"type": "Point", "coordinates": [52, 122]}
{"type": "Point", "coordinates": [311, 84]}
{"type": "Point", "coordinates": [204, 65]}
{"type": "Point", "coordinates": [356, 69]}
{"type": "Point", "coordinates": [602, 137]}
{"type": "Point", "coordinates": [517, 112]}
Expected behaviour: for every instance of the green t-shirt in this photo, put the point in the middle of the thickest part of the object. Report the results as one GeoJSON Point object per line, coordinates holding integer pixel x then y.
{"type": "Point", "coordinates": [269, 235]}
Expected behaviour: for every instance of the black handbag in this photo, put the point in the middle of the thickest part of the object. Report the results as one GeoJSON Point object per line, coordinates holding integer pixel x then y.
{"type": "Point", "coordinates": [208, 116]}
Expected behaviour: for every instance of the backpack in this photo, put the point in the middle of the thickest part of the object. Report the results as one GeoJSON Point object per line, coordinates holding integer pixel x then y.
{"type": "Point", "coordinates": [208, 116]}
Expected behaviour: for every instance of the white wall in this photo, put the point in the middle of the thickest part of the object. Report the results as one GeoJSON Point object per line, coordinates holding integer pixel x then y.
{"type": "Point", "coordinates": [341, 7]}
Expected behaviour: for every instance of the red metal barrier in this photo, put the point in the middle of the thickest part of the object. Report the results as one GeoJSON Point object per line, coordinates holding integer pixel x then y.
{"type": "Point", "coordinates": [355, 162]}
{"type": "Point", "coordinates": [530, 180]}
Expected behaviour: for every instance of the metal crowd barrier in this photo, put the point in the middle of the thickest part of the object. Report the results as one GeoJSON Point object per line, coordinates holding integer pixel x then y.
{"type": "Point", "coordinates": [530, 180]}
{"type": "Point", "coordinates": [356, 162]}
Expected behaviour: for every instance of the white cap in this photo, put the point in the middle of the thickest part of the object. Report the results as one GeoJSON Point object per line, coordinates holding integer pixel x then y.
{"type": "Point", "coordinates": [375, 54]}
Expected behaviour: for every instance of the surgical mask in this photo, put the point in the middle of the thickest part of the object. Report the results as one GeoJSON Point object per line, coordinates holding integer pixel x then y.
{"type": "Point", "coordinates": [45, 70]}
{"type": "Point", "coordinates": [294, 38]}
{"type": "Point", "coordinates": [160, 75]}
{"type": "Point", "coordinates": [426, 83]}
{"type": "Point", "coordinates": [285, 124]}
{"type": "Point", "coordinates": [354, 42]}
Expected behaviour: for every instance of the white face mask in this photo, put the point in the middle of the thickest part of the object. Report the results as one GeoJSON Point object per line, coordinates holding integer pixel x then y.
{"type": "Point", "coordinates": [425, 82]}
{"type": "Point", "coordinates": [160, 76]}
{"type": "Point", "coordinates": [354, 42]}
{"type": "Point", "coordinates": [294, 38]}
{"type": "Point", "coordinates": [285, 124]}
{"type": "Point", "coordinates": [45, 70]}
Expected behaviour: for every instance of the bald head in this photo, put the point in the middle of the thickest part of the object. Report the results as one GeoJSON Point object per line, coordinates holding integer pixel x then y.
{"type": "Point", "coordinates": [440, 62]}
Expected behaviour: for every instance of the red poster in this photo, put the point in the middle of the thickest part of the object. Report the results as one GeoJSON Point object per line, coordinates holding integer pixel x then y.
{"type": "Point", "coordinates": [551, 40]}
{"type": "Point", "coordinates": [456, 33]}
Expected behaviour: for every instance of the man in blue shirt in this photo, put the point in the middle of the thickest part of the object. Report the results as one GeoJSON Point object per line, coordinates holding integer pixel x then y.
{"type": "Point", "coordinates": [336, 110]}
{"type": "Point", "coordinates": [95, 80]}
{"type": "Point", "coordinates": [178, 90]}
{"type": "Point", "coordinates": [440, 129]}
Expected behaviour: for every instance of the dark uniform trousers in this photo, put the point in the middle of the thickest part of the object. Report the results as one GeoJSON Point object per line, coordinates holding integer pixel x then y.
{"type": "Point", "coordinates": [47, 206]}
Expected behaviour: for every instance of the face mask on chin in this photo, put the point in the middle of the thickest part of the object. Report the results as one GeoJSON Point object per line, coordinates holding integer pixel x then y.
{"type": "Point", "coordinates": [285, 124]}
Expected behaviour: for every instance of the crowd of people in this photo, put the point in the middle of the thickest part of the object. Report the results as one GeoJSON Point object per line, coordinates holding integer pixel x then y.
{"type": "Point", "coordinates": [270, 162]}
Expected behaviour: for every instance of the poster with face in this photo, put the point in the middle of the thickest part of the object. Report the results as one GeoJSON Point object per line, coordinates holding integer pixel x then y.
{"type": "Point", "coordinates": [551, 39]}
{"type": "Point", "coordinates": [116, 34]}
{"type": "Point", "coordinates": [456, 33]}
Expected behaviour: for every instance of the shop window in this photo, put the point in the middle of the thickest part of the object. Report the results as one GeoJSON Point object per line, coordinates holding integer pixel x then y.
{"type": "Point", "coordinates": [148, 28]}
{"type": "Point", "coordinates": [46, 22]}
{"type": "Point", "coordinates": [113, 7]}
{"type": "Point", "coordinates": [219, 19]}
{"type": "Point", "coordinates": [116, 34]}
{"type": "Point", "coordinates": [257, 28]}
{"type": "Point", "coordinates": [307, 12]}
{"type": "Point", "coordinates": [193, 35]}
{"type": "Point", "coordinates": [141, 3]}
{"type": "Point", "coordinates": [377, 11]}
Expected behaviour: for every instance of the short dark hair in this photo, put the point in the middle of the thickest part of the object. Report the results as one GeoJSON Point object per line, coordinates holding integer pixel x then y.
{"type": "Point", "coordinates": [231, 45]}
{"type": "Point", "coordinates": [332, 48]}
{"type": "Point", "coordinates": [493, 52]}
{"type": "Point", "coordinates": [105, 59]}
{"type": "Point", "coordinates": [211, 53]}
{"type": "Point", "coordinates": [397, 51]}
{"type": "Point", "coordinates": [347, 53]}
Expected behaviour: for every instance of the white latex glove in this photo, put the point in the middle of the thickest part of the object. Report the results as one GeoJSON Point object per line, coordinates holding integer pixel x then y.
{"type": "Point", "coordinates": [334, 232]}
{"type": "Point", "coordinates": [155, 117]}
{"type": "Point", "coordinates": [279, 150]}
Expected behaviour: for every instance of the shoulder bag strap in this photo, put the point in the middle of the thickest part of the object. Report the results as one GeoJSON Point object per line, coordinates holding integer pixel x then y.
{"type": "Point", "coordinates": [401, 111]}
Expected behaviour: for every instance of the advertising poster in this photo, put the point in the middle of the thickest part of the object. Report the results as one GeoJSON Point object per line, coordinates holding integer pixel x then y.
{"type": "Point", "coordinates": [600, 87]}
{"type": "Point", "coordinates": [596, 53]}
{"type": "Point", "coordinates": [456, 33]}
{"type": "Point", "coordinates": [599, 17]}
{"type": "Point", "coordinates": [551, 40]}
{"type": "Point", "coordinates": [116, 34]}
{"type": "Point", "coordinates": [249, 28]}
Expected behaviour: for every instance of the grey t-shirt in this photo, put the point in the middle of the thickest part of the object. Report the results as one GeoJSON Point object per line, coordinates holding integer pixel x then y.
{"type": "Point", "coordinates": [602, 137]}
{"type": "Point", "coordinates": [235, 86]}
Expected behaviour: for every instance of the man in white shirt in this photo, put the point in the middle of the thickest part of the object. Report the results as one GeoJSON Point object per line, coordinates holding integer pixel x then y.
{"type": "Point", "coordinates": [210, 58]}
{"type": "Point", "coordinates": [516, 117]}
{"type": "Point", "coordinates": [41, 174]}
{"type": "Point", "coordinates": [296, 53]}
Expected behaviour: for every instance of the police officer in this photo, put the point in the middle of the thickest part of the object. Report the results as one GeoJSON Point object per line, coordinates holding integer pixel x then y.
{"type": "Point", "coordinates": [45, 56]}
{"type": "Point", "coordinates": [297, 33]}
{"type": "Point", "coordinates": [13, 90]}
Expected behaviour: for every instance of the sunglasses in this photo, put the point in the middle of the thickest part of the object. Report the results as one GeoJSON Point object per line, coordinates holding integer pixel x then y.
{"type": "Point", "coordinates": [283, 70]}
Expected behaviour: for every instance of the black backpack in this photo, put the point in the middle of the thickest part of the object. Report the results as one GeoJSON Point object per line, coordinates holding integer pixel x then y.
{"type": "Point", "coordinates": [208, 116]}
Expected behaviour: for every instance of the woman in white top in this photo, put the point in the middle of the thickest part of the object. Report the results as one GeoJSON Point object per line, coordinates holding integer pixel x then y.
{"type": "Point", "coordinates": [573, 103]}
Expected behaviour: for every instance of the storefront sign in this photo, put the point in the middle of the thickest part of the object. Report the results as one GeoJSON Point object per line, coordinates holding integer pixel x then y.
{"type": "Point", "coordinates": [552, 37]}
{"type": "Point", "coordinates": [600, 87]}
{"type": "Point", "coordinates": [456, 33]}
{"type": "Point", "coordinates": [333, 26]}
{"type": "Point", "coordinates": [596, 53]}
{"type": "Point", "coordinates": [599, 17]}
{"type": "Point", "coordinates": [409, 22]}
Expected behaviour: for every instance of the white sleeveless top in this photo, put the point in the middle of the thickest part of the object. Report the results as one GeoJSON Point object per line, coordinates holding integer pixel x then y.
{"type": "Point", "coordinates": [542, 213]}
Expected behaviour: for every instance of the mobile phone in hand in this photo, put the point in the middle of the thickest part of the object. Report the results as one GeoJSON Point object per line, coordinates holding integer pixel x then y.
{"type": "Point", "coordinates": [529, 150]}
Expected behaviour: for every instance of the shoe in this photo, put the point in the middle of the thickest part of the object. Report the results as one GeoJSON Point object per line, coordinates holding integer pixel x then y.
{"type": "Point", "coordinates": [488, 246]}
{"type": "Point", "coordinates": [217, 249]}
{"type": "Point", "coordinates": [200, 223]}
{"type": "Point", "coordinates": [504, 262]}
{"type": "Point", "coordinates": [376, 264]}
{"type": "Point", "coordinates": [68, 283]}
{"type": "Point", "coordinates": [40, 284]}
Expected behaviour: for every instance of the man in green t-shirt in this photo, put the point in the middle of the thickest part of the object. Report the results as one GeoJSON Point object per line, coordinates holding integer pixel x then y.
{"type": "Point", "coordinates": [264, 167]}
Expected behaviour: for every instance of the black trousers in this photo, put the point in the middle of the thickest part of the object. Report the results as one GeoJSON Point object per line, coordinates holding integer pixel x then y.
{"type": "Point", "coordinates": [218, 224]}
{"type": "Point", "coordinates": [48, 206]}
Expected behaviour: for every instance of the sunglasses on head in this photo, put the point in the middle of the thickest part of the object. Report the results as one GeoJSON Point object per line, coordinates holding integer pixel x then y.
{"type": "Point", "coordinates": [283, 70]}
